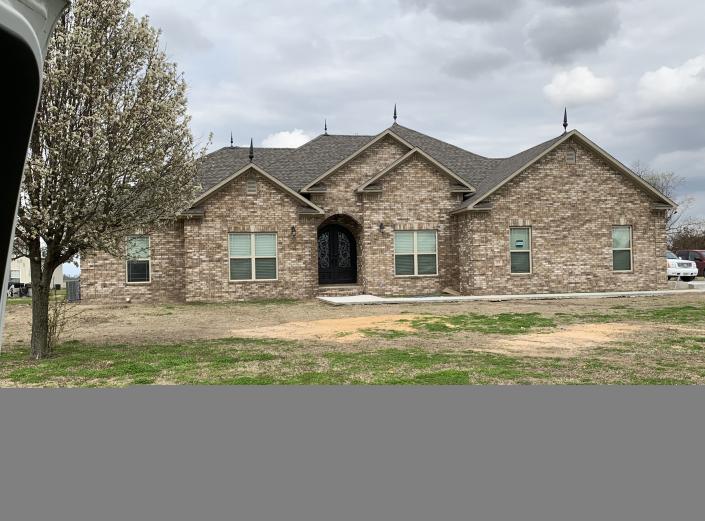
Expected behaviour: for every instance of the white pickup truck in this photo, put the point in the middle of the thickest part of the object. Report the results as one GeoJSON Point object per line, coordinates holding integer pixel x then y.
{"type": "Point", "coordinates": [677, 267]}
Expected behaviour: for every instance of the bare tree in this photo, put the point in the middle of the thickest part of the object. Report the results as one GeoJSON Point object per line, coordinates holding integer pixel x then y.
{"type": "Point", "coordinates": [668, 183]}
{"type": "Point", "coordinates": [688, 237]}
{"type": "Point", "coordinates": [111, 149]}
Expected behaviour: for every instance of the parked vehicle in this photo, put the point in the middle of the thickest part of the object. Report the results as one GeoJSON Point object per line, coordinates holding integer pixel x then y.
{"type": "Point", "coordinates": [686, 270]}
{"type": "Point", "coordinates": [697, 256]}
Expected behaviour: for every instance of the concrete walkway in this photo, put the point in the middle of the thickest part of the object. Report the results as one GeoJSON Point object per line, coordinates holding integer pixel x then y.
{"type": "Point", "coordinates": [371, 299]}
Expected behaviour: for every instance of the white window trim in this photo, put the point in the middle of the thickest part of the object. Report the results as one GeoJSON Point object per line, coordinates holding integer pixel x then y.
{"type": "Point", "coordinates": [415, 254]}
{"type": "Point", "coordinates": [148, 259]}
{"type": "Point", "coordinates": [251, 185]}
{"type": "Point", "coordinates": [253, 256]}
{"type": "Point", "coordinates": [630, 249]}
{"type": "Point", "coordinates": [530, 251]}
{"type": "Point", "coordinates": [19, 274]}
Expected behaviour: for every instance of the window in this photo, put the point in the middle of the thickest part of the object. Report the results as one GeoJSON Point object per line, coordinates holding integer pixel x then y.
{"type": "Point", "coordinates": [138, 259]}
{"type": "Point", "coordinates": [15, 276]}
{"type": "Point", "coordinates": [622, 248]}
{"type": "Point", "coordinates": [520, 250]}
{"type": "Point", "coordinates": [415, 253]}
{"type": "Point", "coordinates": [570, 156]}
{"type": "Point", "coordinates": [251, 185]}
{"type": "Point", "coordinates": [253, 256]}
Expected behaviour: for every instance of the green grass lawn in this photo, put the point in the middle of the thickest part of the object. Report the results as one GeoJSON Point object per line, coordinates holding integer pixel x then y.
{"type": "Point", "coordinates": [436, 351]}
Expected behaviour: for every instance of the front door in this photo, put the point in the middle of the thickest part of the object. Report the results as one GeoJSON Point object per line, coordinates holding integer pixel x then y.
{"type": "Point", "coordinates": [337, 255]}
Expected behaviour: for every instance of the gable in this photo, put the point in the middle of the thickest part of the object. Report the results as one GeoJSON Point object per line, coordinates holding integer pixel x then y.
{"type": "Point", "coordinates": [387, 134]}
{"type": "Point", "coordinates": [519, 164]}
{"type": "Point", "coordinates": [416, 153]}
{"type": "Point", "coordinates": [554, 185]}
{"type": "Point", "coordinates": [254, 170]}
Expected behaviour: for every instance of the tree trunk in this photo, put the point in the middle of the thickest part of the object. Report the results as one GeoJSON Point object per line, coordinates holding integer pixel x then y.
{"type": "Point", "coordinates": [40, 310]}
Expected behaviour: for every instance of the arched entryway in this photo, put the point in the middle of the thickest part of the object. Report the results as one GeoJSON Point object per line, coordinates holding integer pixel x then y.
{"type": "Point", "coordinates": [337, 253]}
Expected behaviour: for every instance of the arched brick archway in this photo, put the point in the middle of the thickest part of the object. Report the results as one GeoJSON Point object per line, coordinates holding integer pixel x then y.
{"type": "Point", "coordinates": [337, 250]}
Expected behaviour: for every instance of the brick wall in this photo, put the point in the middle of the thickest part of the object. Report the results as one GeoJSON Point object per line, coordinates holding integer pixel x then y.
{"type": "Point", "coordinates": [104, 277]}
{"type": "Point", "coordinates": [231, 209]}
{"type": "Point", "coordinates": [341, 199]}
{"type": "Point", "coordinates": [571, 209]}
{"type": "Point", "coordinates": [428, 209]}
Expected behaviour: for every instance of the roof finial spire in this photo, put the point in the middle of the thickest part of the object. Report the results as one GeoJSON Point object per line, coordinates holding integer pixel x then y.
{"type": "Point", "coordinates": [395, 112]}
{"type": "Point", "coordinates": [565, 120]}
{"type": "Point", "coordinates": [325, 127]}
{"type": "Point", "coordinates": [231, 140]}
{"type": "Point", "coordinates": [252, 151]}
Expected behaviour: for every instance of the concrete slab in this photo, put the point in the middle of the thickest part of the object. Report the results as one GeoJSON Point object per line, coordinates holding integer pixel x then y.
{"type": "Point", "coordinates": [355, 300]}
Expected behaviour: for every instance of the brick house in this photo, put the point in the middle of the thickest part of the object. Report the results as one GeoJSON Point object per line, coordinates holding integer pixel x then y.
{"type": "Point", "coordinates": [399, 213]}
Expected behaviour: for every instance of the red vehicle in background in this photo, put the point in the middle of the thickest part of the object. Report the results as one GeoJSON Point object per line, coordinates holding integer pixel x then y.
{"type": "Point", "coordinates": [697, 256]}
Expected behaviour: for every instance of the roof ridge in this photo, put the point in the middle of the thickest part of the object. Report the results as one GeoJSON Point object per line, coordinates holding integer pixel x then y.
{"type": "Point", "coordinates": [439, 140]}
{"type": "Point", "coordinates": [543, 143]}
{"type": "Point", "coordinates": [348, 135]}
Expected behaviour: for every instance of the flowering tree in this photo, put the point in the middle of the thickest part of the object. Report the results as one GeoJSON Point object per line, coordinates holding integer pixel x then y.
{"type": "Point", "coordinates": [111, 149]}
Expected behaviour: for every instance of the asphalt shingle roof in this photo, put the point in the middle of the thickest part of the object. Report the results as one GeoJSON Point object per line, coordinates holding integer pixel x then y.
{"type": "Point", "coordinates": [504, 168]}
{"type": "Point", "coordinates": [304, 164]}
{"type": "Point", "coordinates": [222, 163]}
{"type": "Point", "coordinates": [297, 167]}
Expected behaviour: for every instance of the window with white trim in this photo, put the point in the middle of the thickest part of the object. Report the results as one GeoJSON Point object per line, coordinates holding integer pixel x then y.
{"type": "Point", "coordinates": [253, 256]}
{"type": "Point", "coordinates": [138, 258]}
{"type": "Point", "coordinates": [520, 249]}
{"type": "Point", "coordinates": [415, 253]}
{"type": "Point", "coordinates": [15, 276]}
{"type": "Point", "coordinates": [622, 248]}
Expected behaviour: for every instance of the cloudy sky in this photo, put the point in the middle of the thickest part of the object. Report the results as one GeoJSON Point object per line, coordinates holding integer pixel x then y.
{"type": "Point", "coordinates": [486, 75]}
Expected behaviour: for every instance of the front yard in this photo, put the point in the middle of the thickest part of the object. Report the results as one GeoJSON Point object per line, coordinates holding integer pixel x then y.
{"type": "Point", "coordinates": [610, 341]}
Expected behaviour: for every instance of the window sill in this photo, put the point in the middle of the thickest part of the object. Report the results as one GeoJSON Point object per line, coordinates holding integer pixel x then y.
{"type": "Point", "coordinates": [240, 281]}
{"type": "Point", "coordinates": [415, 276]}
{"type": "Point", "coordinates": [520, 274]}
{"type": "Point", "coordinates": [138, 283]}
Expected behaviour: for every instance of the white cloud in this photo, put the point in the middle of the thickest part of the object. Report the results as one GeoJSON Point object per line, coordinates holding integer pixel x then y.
{"type": "Point", "coordinates": [286, 139]}
{"type": "Point", "coordinates": [675, 87]}
{"type": "Point", "coordinates": [578, 86]}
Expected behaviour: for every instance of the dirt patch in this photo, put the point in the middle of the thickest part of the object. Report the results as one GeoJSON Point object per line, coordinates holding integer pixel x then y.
{"type": "Point", "coordinates": [567, 342]}
{"type": "Point", "coordinates": [345, 330]}
{"type": "Point", "coordinates": [140, 324]}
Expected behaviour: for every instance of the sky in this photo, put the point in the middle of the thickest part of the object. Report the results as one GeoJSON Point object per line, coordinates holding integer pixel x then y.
{"type": "Point", "coordinates": [490, 76]}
